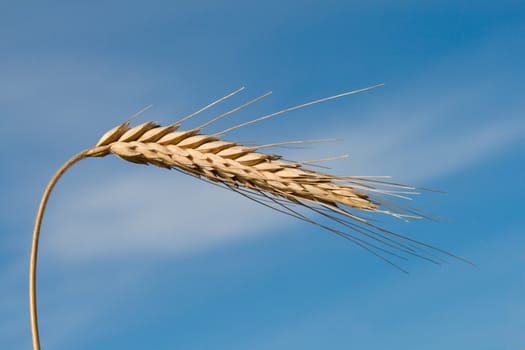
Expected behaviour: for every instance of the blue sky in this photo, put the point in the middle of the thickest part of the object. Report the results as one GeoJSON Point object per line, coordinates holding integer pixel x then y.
{"type": "Point", "coordinates": [138, 257]}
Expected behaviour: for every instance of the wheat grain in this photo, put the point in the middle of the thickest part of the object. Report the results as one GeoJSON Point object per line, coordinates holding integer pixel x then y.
{"type": "Point", "coordinates": [265, 178]}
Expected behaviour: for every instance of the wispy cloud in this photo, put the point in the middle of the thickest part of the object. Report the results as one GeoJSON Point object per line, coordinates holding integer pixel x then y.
{"type": "Point", "coordinates": [421, 133]}
{"type": "Point", "coordinates": [418, 152]}
{"type": "Point", "coordinates": [154, 213]}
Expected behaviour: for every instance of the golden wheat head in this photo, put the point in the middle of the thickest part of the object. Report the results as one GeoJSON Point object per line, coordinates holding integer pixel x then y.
{"type": "Point", "coordinates": [292, 188]}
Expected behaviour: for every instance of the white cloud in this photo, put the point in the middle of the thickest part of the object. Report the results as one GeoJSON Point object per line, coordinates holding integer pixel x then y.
{"type": "Point", "coordinates": [414, 139]}
{"type": "Point", "coordinates": [422, 153]}
{"type": "Point", "coordinates": [162, 213]}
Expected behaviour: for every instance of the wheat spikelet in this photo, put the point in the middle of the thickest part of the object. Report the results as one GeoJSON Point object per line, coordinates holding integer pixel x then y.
{"type": "Point", "coordinates": [266, 178]}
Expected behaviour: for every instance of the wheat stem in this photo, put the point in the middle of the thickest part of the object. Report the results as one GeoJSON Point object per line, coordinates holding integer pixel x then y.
{"type": "Point", "coordinates": [34, 247]}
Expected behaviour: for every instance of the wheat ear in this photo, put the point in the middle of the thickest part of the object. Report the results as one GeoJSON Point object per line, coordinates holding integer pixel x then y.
{"type": "Point", "coordinates": [265, 178]}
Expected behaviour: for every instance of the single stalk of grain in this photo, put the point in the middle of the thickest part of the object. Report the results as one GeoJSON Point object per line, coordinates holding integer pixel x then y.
{"type": "Point", "coordinates": [265, 178]}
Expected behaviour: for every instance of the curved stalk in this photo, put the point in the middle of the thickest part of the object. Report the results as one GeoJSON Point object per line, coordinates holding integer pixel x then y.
{"type": "Point", "coordinates": [34, 247]}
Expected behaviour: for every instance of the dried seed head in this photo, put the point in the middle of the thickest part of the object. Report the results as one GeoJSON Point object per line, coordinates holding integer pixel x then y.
{"type": "Point", "coordinates": [273, 182]}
